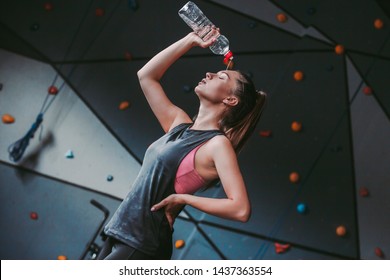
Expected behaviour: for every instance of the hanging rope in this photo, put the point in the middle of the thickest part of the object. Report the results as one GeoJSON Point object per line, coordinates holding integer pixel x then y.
{"type": "Point", "coordinates": [17, 149]}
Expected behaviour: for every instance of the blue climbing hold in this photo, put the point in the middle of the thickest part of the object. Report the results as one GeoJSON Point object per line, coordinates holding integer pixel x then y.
{"type": "Point", "coordinates": [301, 208]}
{"type": "Point", "coordinates": [110, 178]}
{"type": "Point", "coordinates": [69, 154]}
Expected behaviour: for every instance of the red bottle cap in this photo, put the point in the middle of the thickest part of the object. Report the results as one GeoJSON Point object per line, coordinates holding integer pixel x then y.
{"type": "Point", "coordinates": [228, 56]}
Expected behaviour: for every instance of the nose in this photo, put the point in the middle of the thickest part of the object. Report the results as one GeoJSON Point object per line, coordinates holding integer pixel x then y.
{"type": "Point", "coordinates": [209, 75]}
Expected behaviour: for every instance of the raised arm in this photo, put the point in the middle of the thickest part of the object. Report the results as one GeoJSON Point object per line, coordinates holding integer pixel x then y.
{"type": "Point", "coordinates": [150, 75]}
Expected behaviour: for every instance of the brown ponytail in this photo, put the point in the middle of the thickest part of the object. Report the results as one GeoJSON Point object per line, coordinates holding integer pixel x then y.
{"type": "Point", "coordinates": [238, 122]}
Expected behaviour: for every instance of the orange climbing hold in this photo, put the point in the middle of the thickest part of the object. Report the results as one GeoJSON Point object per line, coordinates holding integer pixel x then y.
{"type": "Point", "coordinates": [281, 17]}
{"type": "Point", "coordinates": [294, 177]}
{"type": "Point", "coordinates": [378, 23]}
{"type": "Point", "coordinates": [7, 119]}
{"type": "Point", "coordinates": [62, 258]}
{"type": "Point", "coordinates": [124, 105]}
{"type": "Point", "coordinates": [298, 76]}
{"type": "Point", "coordinates": [341, 231]}
{"type": "Point", "coordinates": [281, 248]}
{"type": "Point", "coordinates": [179, 244]}
{"type": "Point", "coordinates": [339, 49]}
{"type": "Point", "coordinates": [296, 126]}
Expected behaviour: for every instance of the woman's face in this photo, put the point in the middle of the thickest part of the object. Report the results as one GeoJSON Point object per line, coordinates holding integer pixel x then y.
{"type": "Point", "coordinates": [215, 87]}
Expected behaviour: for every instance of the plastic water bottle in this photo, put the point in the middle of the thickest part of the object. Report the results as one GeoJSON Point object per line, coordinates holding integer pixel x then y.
{"type": "Point", "coordinates": [194, 17]}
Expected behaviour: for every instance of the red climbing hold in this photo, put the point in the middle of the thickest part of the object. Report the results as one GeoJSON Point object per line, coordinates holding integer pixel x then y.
{"type": "Point", "coordinates": [367, 90]}
{"type": "Point", "coordinates": [281, 248]}
{"type": "Point", "coordinates": [363, 192]}
{"type": "Point", "coordinates": [99, 12]}
{"type": "Point", "coordinates": [265, 133]}
{"type": "Point", "coordinates": [379, 252]}
{"type": "Point", "coordinates": [48, 6]}
{"type": "Point", "coordinates": [53, 90]}
{"type": "Point", "coordinates": [34, 216]}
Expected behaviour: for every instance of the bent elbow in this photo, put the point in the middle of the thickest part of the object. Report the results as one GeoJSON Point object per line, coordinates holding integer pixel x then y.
{"type": "Point", "coordinates": [244, 215]}
{"type": "Point", "coordinates": [140, 74]}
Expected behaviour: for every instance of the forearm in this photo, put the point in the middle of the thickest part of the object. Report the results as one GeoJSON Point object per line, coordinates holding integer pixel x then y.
{"type": "Point", "coordinates": [222, 207]}
{"type": "Point", "coordinates": [159, 64]}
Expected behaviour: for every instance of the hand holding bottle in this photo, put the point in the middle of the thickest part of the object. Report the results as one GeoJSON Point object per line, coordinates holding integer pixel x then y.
{"type": "Point", "coordinates": [205, 42]}
{"type": "Point", "coordinates": [194, 18]}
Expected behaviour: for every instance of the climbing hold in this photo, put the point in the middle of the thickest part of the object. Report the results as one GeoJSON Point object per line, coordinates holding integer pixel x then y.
{"type": "Point", "coordinates": [311, 11]}
{"type": "Point", "coordinates": [133, 4]}
{"type": "Point", "coordinates": [367, 90]}
{"type": "Point", "coordinates": [302, 208]}
{"type": "Point", "coordinates": [363, 192]}
{"type": "Point", "coordinates": [281, 248]}
{"type": "Point", "coordinates": [265, 133]}
{"type": "Point", "coordinates": [99, 12]}
{"type": "Point", "coordinates": [379, 252]}
{"type": "Point", "coordinates": [128, 56]}
{"type": "Point", "coordinates": [296, 126]}
{"type": "Point", "coordinates": [53, 90]}
{"type": "Point", "coordinates": [179, 244]}
{"type": "Point", "coordinates": [7, 119]}
{"type": "Point", "coordinates": [34, 216]}
{"type": "Point", "coordinates": [124, 105]}
{"type": "Point", "coordinates": [110, 178]}
{"type": "Point", "coordinates": [341, 231]}
{"type": "Point", "coordinates": [48, 6]}
{"type": "Point", "coordinates": [281, 17]}
{"type": "Point", "coordinates": [187, 88]}
{"type": "Point", "coordinates": [378, 23]}
{"type": "Point", "coordinates": [62, 258]}
{"type": "Point", "coordinates": [252, 24]}
{"type": "Point", "coordinates": [34, 27]}
{"type": "Point", "coordinates": [330, 68]}
{"type": "Point", "coordinates": [298, 76]}
{"type": "Point", "coordinates": [69, 154]}
{"type": "Point", "coordinates": [339, 49]}
{"type": "Point", "coordinates": [294, 177]}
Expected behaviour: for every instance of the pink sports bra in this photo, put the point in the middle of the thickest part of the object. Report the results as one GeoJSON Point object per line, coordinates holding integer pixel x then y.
{"type": "Point", "coordinates": [188, 179]}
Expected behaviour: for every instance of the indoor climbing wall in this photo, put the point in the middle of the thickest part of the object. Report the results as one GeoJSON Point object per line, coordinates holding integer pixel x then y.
{"type": "Point", "coordinates": [315, 168]}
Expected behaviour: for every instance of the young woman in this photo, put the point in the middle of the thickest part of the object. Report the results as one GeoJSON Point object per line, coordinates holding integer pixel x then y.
{"type": "Point", "coordinates": [190, 155]}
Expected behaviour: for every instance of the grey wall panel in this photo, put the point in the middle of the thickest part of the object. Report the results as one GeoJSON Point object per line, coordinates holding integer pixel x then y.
{"type": "Point", "coordinates": [66, 221]}
{"type": "Point", "coordinates": [374, 71]}
{"type": "Point", "coordinates": [371, 131]}
{"type": "Point", "coordinates": [68, 125]}
{"type": "Point", "coordinates": [340, 24]}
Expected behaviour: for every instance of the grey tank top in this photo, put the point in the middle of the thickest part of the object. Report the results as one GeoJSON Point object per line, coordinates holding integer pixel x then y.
{"type": "Point", "coordinates": [134, 223]}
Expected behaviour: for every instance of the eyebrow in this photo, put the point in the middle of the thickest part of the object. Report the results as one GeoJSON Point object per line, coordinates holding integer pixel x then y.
{"type": "Point", "coordinates": [224, 72]}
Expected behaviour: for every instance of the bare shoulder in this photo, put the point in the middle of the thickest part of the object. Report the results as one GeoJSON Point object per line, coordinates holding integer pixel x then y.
{"type": "Point", "coordinates": [220, 144]}
{"type": "Point", "coordinates": [181, 117]}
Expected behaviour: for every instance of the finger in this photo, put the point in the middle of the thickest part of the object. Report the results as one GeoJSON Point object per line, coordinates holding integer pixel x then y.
{"type": "Point", "coordinates": [157, 206]}
{"type": "Point", "coordinates": [170, 219]}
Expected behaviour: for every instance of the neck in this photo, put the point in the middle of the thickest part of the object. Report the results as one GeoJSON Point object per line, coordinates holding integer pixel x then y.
{"type": "Point", "coordinates": [208, 118]}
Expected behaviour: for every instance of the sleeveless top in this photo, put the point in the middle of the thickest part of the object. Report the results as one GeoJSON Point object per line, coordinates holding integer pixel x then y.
{"type": "Point", "coordinates": [188, 179]}
{"type": "Point", "coordinates": [133, 223]}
